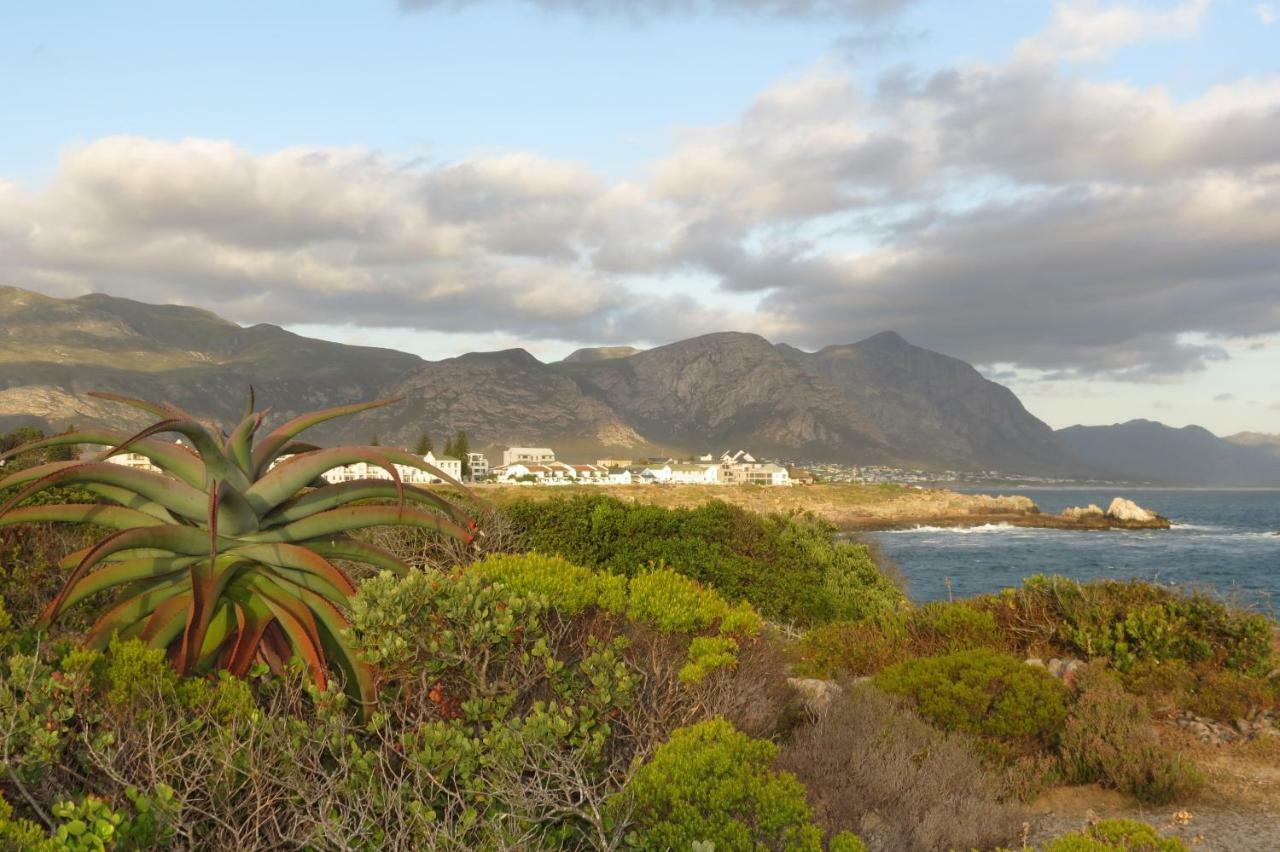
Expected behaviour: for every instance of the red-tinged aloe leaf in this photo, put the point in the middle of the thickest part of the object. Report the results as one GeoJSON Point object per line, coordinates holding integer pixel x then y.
{"type": "Point", "coordinates": [222, 627]}
{"type": "Point", "coordinates": [274, 646]}
{"type": "Point", "coordinates": [298, 558]}
{"type": "Point", "coordinates": [238, 443]}
{"type": "Point", "coordinates": [410, 460]}
{"type": "Point", "coordinates": [311, 582]}
{"type": "Point", "coordinates": [216, 463]}
{"type": "Point", "coordinates": [113, 517]}
{"type": "Point", "coordinates": [159, 409]}
{"type": "Point", "coordinates": [357, 551]}
{"type": "Point", "coordinates": [120, 573]}
{"type": "Point", "coordinates": [248, 408]}
{"type": "Point", "coordinates": [252, 617]}
{"type": "Point", "coordinates": [297, 622]}
{"type": "Point", "coordinates": [131, 500]}
{"type": "Point", "coordinates": [348, 518]}
{"type": "Point", "coordinates": [36, 473]}
{"type": "Point", "coordinates": [344, 493]}
{"type": "Point", "coordinates": [282, 482]}
{"type": "Point", "coordinates": [166, 621]}
{"type": "Point", "coordinates": [182, 541]}
{"type": "Point", "coordinates": [133, 607]}
{"type": "Point", "coordinates": [177, 497]}
{"type": "Point", "coordinates": [204, 593]}
{"type": "Point", "coordinates": [333, 625]}
{"type": "Point", "coordinates": [71, 560]}
{"type": "Point", "coordinates": [269, 447]}
{"type": "Point", "coordinates": [174, 458]}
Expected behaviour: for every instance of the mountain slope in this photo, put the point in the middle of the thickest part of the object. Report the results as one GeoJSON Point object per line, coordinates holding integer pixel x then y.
{"type": "Point", "coordinates": [726, 389]}
{"type": "Point", "coordinates": [933, 405]}
{"type": "Point", "coordinates": [1145, 450]}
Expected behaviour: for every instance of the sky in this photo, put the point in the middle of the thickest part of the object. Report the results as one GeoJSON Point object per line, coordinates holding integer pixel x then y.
{"type": "Point", "coordinates": [1081, 197]}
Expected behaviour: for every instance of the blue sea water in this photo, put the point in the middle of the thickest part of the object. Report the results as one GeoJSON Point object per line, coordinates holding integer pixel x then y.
{"type": "Point", "coordinates": [1223, 540]}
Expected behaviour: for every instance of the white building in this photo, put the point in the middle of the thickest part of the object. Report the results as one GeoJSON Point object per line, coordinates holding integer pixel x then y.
{"type": "Point", "coordinates": [479, 465]}
{"type": "Point", "coordinates": [764, 474]}
{"type": "Point", "coordinates": [136, 461]}
{"type": "Point", "coordinates": [408, 475]}
{"type": "Point", "coordinates": [527, 455]}
{"type": "Point", "coordinates": [695, 474]}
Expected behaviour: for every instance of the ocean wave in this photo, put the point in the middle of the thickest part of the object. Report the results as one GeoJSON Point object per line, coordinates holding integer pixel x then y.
{"type": "Point", "coordinates": [981, 528]}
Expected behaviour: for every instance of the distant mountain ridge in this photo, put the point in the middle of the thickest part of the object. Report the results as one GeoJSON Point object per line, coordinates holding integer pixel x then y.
{"type": "Point", "coordinates": [880, 400]}
{"type": "Point", "coordinates": [1192, 455]}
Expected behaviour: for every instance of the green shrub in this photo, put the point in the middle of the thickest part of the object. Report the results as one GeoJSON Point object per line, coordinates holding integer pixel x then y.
{"type": "Point", "coordinates": [713, 784]}
{"type": "Point", "coordinates": [790, 568]}
{"type": "Point", "coordinates": [982, 692]}
{"type": "Point", "coordinates": [1131, 622]}
{"type": "Point", "coordinates": [1116, 835]}
{"type": "Point", "coordinates": [859, 648]}
{"type": "Point", "coordinates": [1109, 739]}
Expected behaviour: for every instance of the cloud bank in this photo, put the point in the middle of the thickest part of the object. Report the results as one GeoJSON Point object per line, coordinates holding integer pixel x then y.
{"type": "Point", "coordinates": [643, 9]}
{"type": "Point", "coordinates": [1006, 214]}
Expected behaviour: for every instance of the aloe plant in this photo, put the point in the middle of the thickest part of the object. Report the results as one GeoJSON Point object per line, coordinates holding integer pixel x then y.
{"type": "Point", "coordinates": [224, 557]}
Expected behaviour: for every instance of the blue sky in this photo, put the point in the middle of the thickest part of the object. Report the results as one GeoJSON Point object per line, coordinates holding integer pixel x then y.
{"type": "Point", "coordinates": [487, 174]}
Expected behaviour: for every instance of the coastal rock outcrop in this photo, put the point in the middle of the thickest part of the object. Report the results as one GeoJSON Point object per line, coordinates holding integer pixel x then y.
{"type": "Point", "coordinates": [1127, 510]}
{"type": "Point", "coordinates": [1078, 513]}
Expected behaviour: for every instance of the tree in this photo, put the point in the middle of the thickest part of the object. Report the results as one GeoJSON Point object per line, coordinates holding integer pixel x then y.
{"type": "Point", "coordinates": [424, 445]}
{"type": "Point", "coordinates": [461, 449]}
{"type": "Point", "coordinates": [375, 441]}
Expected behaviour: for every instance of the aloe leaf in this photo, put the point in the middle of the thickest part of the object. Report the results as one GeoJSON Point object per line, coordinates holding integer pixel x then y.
{"type": "Point", "coordinates": [119, 573]}
{"type": "Point", "coordinates": [162, 409]}
{"type": "Point", "coordinates": [343, 493]}
{"type": "Point", "coordinates": [312, 582]}
{"type": "Point", "coordinates": [332, 627]}
{"type": "Point", "coordinates": [134, 607]}
{"type": "Point", "coordinates": [113, 517]}
{"type": "Point", "coordinates": [131, 500]}
{"type": "Point", "coordinates": [238, 445]}
{"type": "Point", "coordinates": [222, 627]}
{"type": "Point", "coordinates": [177, 497]}
{"type": "Point", "coordinates": [297, 558]}
{"type": "Point", "coordinates": [167, 621]}
{"type": "Point", "coordinates": [252, 617]}
{"type": "Point", "coordinates": [283, 481]}
{"type": "Point", "coordinates": [174, 458]}
{"type": "Point", "coordinates": [286, 432]}
{"type": "Point", "coordinates": [183, 541]}
{"type": "Point", "coordinates": [295, 620]}
{"type": "Point", "coordinates": [353, 550]}
{"type": "Point", "coordinates": [350, 518]}
{"type": "Point", "coordinates": [217, 465]}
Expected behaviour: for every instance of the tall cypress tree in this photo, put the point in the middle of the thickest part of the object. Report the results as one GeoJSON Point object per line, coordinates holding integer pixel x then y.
{"type": "Point", "coordinates": [460, 449]}
{"type": "Point", "coordinates": [424, 445]}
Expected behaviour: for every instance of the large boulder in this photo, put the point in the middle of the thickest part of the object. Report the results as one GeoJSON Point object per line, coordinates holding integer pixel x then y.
{"type": "Point", "coordinates": [1130, 512]}
{"type": "Point", "coordinates": [1077, 513]}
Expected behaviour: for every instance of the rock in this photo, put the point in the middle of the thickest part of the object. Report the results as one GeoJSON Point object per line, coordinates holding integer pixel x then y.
{"type": "Point", "coordinates": [818, 695]}
{"type": "Point", "coordinates": [1035, 661]}
{"type": "Point", "coordinates": [1129, 511]}
{"type": "Point", "coordinates": [1076, 513]}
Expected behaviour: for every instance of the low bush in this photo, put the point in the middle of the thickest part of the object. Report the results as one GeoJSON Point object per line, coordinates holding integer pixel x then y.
{"type": "Point", "coordinates": [1108, 738]}
{"type": "Point", "coordinates": [1131, 622]}
{"type": "Point", "coordinates": [872, 766]}
{"type": "Point", "coordinates": [1204, 689]}
{"type": "Point", "coordinates": [716, 786]}
{"type": "Point", "coordinates": [1116, 835]}
{"type": "Point", "coordinates": [790, 568]}
{"type": "Point", "coordinates": [982, 692]}
{"type": "Point", "coordinates": [856, 648]}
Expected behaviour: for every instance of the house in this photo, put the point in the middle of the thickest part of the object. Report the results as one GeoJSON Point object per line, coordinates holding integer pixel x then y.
{"type": "Point", "coordinates": [800, 476]}
{"type": "Point", "coordinates": [447, 465]}
{"type": "Point", "coordinates": [520, 472]}
{"type": "Point", "coordinates": [619, 476]}
{"type": "Point", "coordinates": [479, 465]}
{"type": "Point", "coordinates": [695, 474]}
{"type": "Point", "coordinates": [527, 455]}
{"type": "Point", "coordinates": [656, 473]}
{"type": "Point", "coordinates": [764, 474]}
{"type": "Point", "coordinates": [591, 474]}
{"type": "Point", "coordinates": [614, 462]}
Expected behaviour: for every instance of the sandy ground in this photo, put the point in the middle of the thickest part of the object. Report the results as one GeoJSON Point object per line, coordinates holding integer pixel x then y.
{"type": "Point", "coordinates": [1238, 811]}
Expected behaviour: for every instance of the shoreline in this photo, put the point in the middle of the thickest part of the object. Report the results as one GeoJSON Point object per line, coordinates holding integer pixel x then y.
{"type": "Point", "coordinates": [849, 507]}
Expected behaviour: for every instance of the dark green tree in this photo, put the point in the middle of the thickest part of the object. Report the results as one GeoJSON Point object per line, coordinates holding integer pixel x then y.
{"type": "Point", "coordinates": [424, 445]}
{"type": "Point", "coordinates": [461, 449]}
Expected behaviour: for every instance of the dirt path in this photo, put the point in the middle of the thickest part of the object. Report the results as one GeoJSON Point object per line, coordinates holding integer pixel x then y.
{"type": "Point", "coordinates": [1238, 811]}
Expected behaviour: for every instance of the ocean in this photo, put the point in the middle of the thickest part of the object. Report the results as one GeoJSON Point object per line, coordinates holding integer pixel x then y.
{"type": "Point", "coordinates": [1223, 540]}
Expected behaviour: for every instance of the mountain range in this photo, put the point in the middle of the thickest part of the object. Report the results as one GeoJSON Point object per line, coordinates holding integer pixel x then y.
{"type": "Point", "coordinates": [878, 401]}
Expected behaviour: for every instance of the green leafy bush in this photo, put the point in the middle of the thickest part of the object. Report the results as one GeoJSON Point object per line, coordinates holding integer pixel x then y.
{"type": "Point", "coordinates": [713, 784]}
{"type": "Point", "coordinates": [790, 568]}
{"type": "Point", "coordinates": [1131, 622]}
{"type": "Point", "coordinates": [982, 692]}
{"type": "Point", "coordinates": [1116, 835]}
{"type": "Point", "coordinates": [1108, 738]}
{"type": "Point", "coordinates": [859, 648]}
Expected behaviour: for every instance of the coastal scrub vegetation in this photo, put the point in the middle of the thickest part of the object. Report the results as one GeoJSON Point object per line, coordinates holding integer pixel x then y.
{"type": "Point", "coordinates": [587, 674]}
{"type": "Point", "coordinates": [789, 567]}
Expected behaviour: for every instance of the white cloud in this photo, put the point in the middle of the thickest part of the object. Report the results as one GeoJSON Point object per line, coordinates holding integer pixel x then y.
{"type": "Point", "coordinates": [1267, 13]}
{"type": "Point", "coordinates": [1089, 29]}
